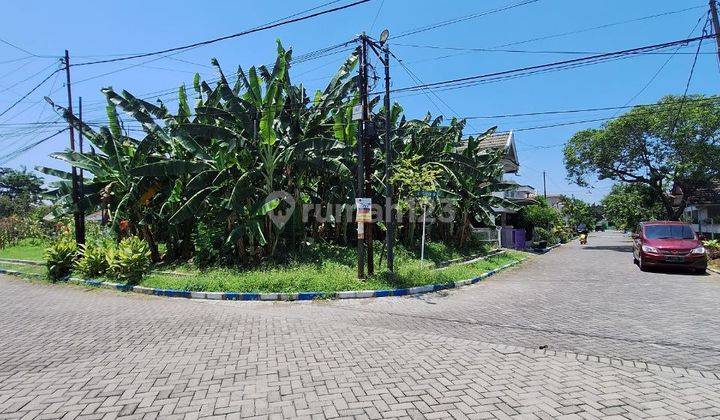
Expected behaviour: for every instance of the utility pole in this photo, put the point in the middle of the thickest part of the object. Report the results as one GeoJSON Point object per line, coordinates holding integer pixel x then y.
{"type": "Point", "coordinates": [390, 217]}
{"type": "Point", "coordinates": [81, 180]}
{"type": "Point", "coordinates": [544, 186]}
{"type": "Point", "coordinates": [79, 231]}
{"type": "Point", "coordinates": [362, 82]}
{"type": "Point", "coordinates": [716, 24]}
{"type": "Point", "coordinates": [367, 142]}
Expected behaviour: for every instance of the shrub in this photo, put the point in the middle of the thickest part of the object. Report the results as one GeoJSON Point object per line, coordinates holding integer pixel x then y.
{"type": "Point", "coordinates": [130, 261]}
{"type": "Point", "coordinates": [93, 260]}
{"type": "Point", "coordinates": [541, 234]}
{"type": "Point", "coordinates": [208, 243]}
{"type": "Point", "coordinates": [713, 248]}
{"type": "Point", "coordinates": [59, 258]}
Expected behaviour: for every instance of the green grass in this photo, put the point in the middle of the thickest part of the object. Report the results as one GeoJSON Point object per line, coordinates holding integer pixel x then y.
{"type": "Point", "coordinates": [25, 268]}
{"type": "Point", "coordinates": [326, 276]}
{"type": "Point", "coordinates": [26, 250]}
{"type": "Point", "coordinates": [320, 268]}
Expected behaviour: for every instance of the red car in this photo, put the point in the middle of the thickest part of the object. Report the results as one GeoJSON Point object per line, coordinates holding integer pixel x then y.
{"type": "Point", "coordinates": [668, 244]}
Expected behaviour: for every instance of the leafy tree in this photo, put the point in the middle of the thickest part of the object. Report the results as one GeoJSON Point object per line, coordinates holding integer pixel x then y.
{"type": "Point", "coordinates": [20, 192]}
{"type": "Point", "coordinates": [578, 212]}
{"type": "Point", "coordinates": [674, 143]}
{"type": "Point", "coordinates": [541, 215]}
{"type": "Point", "coordinates": [629, 204]}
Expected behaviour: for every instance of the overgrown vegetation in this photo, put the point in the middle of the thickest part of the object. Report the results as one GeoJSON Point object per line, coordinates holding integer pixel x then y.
{"type": "Point", "coordinates": [200, 183]}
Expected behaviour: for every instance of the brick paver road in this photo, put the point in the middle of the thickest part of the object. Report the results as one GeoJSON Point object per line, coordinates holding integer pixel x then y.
{"type": "Point", "coordinates": [619, 343]}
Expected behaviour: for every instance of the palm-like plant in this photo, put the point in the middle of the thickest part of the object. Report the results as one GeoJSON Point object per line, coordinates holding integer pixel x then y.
{"type": "Point", "coordinates": [218, 160]}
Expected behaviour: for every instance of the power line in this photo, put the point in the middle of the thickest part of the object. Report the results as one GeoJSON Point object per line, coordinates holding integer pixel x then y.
{"type": "Point", "coordinates": [31, 54]}
{"type": "Point", "coordinates": [27, 78]}
{"type": "Point", "coordinates": [500, 50]}
{"type": "Point", "coordinates": [662, 67]}
{"type": "Point", "coordinates": [470, 80]}
{"type": "Point", "coordinates": [607, 25]}
{"type": "Point", "coordinates": [5, 159]}
{"type": "Point", "coordinates": [226, 37]}
{"type": "Point", "coordinates": [583, 30]}
{"type": "Point", "coordinates": [29, 93]}
{"type": "Point", "coordinates": [575, 111]}
{"type": "Point", "coordinates": [461, 19]}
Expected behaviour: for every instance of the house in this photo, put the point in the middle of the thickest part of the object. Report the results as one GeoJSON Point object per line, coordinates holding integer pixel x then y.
{"type": "Point", "coordinates": [506, 143]}
{"type": "Point", "coordinates": [555, 200]}
{"type": "Point", "coordinates": [508, 218]}
{"type": "Point", "coordinates": [522, 194]}
{"type": "Point", "coordinates": [703, 210]}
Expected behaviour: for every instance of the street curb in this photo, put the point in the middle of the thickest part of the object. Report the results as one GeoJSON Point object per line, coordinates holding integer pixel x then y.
{"type": "Point", "coordinates": [545, 250]}
{"type": "Point", "coordinates": [246, 296]}
{"type": "Point", "coordinates": [16, 261]}
{"type": "Point", "coordinates": [714, 270]}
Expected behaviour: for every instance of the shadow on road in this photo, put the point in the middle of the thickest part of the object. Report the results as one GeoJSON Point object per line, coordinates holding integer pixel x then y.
{"type": "Point", "coordinates": [618, 248]}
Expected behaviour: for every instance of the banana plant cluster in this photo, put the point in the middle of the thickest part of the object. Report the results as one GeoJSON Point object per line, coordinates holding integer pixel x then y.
{"type": "Point", "coordinates": [229, 146]}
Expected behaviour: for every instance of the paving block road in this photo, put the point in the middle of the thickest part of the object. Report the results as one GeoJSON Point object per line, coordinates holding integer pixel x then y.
{"type": "Point", "coordinates": [577, 333]}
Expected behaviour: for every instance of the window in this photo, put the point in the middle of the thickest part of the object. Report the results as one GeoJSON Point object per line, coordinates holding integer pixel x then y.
{"type": "Point", "coordinates": [669, 232]}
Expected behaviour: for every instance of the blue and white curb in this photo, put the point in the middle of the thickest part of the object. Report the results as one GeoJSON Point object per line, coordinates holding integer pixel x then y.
{"type": "Point", "coordinates": [247, 296]}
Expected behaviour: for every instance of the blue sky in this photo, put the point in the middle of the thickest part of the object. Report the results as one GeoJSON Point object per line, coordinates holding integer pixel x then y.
{"type": "Point", "coordinates": [93, 29]}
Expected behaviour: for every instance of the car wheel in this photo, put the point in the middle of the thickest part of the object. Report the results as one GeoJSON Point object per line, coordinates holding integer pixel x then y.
{"type": "Point", "coordinates": [642, 265]}
{"type": "Point", "coordinates": [700, 271]}
{"type": "Point", "coordinates": [635, 260]}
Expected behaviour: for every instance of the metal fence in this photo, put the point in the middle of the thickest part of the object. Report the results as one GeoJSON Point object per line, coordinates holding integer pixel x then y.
{"type": "Point", "coordinates": [490, 236]}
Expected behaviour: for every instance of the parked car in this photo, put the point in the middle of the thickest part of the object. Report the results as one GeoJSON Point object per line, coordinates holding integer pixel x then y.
{"type": "Point", "coordinates": [668, 244]}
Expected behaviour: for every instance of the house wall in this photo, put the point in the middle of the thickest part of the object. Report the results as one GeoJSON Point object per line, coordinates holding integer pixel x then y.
{"type": "Point", "coordinates": [704, 218]}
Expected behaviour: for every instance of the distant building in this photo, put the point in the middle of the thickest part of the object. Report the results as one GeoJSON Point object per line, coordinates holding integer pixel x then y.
{"type": "Point", "coordinates": [703, 209]}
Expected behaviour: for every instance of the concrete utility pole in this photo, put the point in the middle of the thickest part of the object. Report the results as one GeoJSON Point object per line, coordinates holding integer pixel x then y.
{"type": "Point", "coordinates": [77, 212]}
{"type": "Point", "coordinates": [716, 24]}
{"type": "Point", "coordinates": [360, 188]}
{"type": "Point", "coordinates": [390, 217]}
{"type": "Point", "coordinates": [367, 142]}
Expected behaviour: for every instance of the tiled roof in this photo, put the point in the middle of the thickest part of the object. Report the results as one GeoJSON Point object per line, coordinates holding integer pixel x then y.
{"type": "Point", "coordinates": [495, 141]}
{"type": "Point", "coordinates": [707, 195]}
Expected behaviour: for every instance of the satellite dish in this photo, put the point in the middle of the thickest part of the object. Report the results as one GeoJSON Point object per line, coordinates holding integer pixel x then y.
{"type": "Point", "coordinates": [384, 36]}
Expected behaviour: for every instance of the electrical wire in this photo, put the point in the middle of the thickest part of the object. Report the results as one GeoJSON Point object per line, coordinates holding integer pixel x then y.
{"type": "Point", "coordinates": [29, 93]}
{"type": "Point", "coordinates": [462, 19]}
{"type": "Point", "coordinates": [5, 159]}
{"type": "Point", "coordinates": [579, 31]}
{"type": "Point", "coordinates": [469, 80]}
{"type": "Point", "coordinates": [226, 37]}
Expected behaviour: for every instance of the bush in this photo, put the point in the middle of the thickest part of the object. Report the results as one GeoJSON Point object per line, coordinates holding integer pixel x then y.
{"type": "Point", "coordinates": [541, 234]}
{"type": "Point", "coordinates": [208, 244]}
{"type": "Point", "coordinates": [713, 248]}
{"type": "Point", "coordinates": [93, 261]}
{"type": "Point", "coordinates": [59, 258]}
{"type": "Point", "coordinates": [130, 261]}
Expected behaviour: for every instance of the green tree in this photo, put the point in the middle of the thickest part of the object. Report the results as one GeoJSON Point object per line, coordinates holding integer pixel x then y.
{"type": "Point", "coordinates": [674, 143]}
{"type": "Point", "coordinates": [577, 212]}
{"type": "Point", "coordinates": [20, 191]}
{"type": "Point", "coordinates": [629, 204]}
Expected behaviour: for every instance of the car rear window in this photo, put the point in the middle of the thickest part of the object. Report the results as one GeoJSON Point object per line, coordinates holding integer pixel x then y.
{"type": "Point", "coordinates": [669, 232]}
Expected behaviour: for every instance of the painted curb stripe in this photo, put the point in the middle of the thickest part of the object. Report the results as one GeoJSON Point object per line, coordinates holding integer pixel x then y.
{"type": "Point", "coordinates": [246, 296]}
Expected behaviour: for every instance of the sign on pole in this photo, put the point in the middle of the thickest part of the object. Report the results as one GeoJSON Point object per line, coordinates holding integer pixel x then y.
{"type": "Point", "coordinates": [363, 215]}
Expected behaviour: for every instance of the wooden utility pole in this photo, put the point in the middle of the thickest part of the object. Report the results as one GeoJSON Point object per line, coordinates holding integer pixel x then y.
{"type": "Point", "coordinates": [716, 24]}
{"type": "Point", "coordinates": [360, 188]}
{"type": "Point", "coordinates": [390, 217]}
{"type": "Point", "coordinates": [79, 231]}
{"type": "Point", "coordinates": [544, 186]}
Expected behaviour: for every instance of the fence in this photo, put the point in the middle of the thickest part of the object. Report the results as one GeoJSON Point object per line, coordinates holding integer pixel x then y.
{"type": "Point", "coordinates": [490, 236]}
